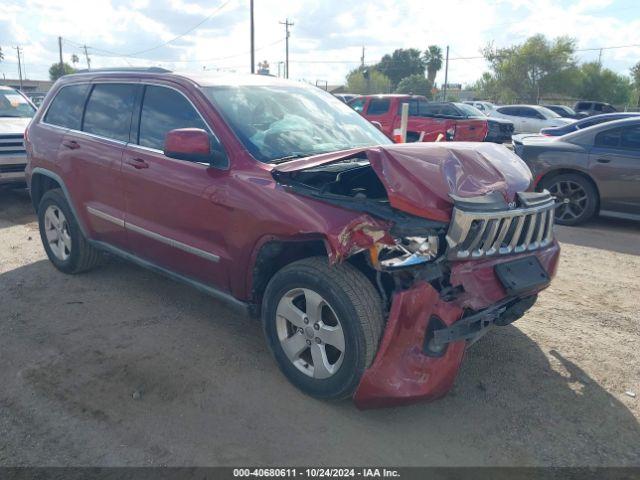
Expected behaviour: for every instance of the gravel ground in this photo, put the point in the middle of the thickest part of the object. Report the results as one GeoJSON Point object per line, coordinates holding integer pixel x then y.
{"type": "Point", "coordinates": [123, 367]}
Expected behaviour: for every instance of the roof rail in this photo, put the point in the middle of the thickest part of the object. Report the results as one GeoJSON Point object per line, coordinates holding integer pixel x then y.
{"type": "Point", "coordinates": [126, 69]}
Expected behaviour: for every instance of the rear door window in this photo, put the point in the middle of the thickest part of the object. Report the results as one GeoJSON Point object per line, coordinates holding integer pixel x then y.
{"type": "Point", "coordinates": [109, 110]}
{"type": "Point", "coordinates": [66, 108]}
{"type": "Point", "coordinates": [165, 109]}
{"type": "Point", "coordinates": [630, 138]}
{"type": "Point", "coordinates": [513, 111]}
{"type": "Point", "coordinates": [378, 106]}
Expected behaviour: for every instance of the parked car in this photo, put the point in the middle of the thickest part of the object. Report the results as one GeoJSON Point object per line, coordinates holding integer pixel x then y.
{"type": "Point", "coordinates": [591, 171]}
{"type": "Point", "coordinates": [498, 129]}
{"type": "Point", "coordinates": [586, 122]}
{"type": "Point", "coordinates": [428, 121]}
{"type": "Point", "coordinates": [529, 118]}
{"type": "Point", "coordinates": [593, 108]}
{"type": "Point", "coordinates": [15, 114]}
{"type": "Point", "coordinates": [346, 97]}
{"type": "Point", "coordinates": [36, 98]}
{"type": "Point", "coordinates": [484, 107]}
{"type": "Point", "coordinates": [565, 112]}
{"type": "Point", "coordinates": [279, 199]}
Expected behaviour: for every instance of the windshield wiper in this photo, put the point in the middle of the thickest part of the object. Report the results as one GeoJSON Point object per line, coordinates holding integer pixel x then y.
{"type": "Point", "coordinates": [286, 158]}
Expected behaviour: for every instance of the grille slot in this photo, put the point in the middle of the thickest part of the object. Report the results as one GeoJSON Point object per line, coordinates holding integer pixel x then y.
{"type": "Point", "coordinates": [11, 144]}
{"type": "Point", "coordinates": [475, 234]}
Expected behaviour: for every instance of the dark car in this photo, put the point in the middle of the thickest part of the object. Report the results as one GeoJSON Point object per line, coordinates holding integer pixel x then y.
{"type": "Point", "coordinates": [564, 111]}
{"type": "Point", "coordinates": [499, 130]}
{"type": "Point", "coordinates": [346, 97]}
{"type": "Point", "coordinates": [586, 123]}
{"type": "Point", "coordinates": [589, 108]}
{"type": "Point", "coordinates": [590, 171]}
{"type": "Point", "coordinates": [372, 265]}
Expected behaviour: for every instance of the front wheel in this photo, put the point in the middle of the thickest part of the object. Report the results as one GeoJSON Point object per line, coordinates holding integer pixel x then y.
{"type": "Point", "coordinates": [322, 324]}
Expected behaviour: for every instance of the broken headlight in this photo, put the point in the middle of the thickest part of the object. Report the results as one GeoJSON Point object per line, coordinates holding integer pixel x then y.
{"type": "Point", "coordinates": [407, 252]}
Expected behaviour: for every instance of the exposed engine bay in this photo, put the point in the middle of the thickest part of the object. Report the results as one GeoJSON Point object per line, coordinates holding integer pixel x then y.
{"type": "Point", "coordinates": [352, 183]}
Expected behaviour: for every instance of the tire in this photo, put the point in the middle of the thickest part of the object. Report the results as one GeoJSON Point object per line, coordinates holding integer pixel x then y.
{"type": "Point", "coordinates": [576, 196]}
{"type": "Point", "coordinates": [350, 299]}
{"type": "Point", "coordinates": [74, 254]}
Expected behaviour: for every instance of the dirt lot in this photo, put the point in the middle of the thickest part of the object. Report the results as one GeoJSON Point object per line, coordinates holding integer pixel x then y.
{"type": "Point", "coordinates": [123, 367]}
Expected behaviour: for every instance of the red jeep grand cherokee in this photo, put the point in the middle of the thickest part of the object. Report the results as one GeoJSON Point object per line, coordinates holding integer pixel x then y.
{"type": "Point", "coordinates": [372, 265]}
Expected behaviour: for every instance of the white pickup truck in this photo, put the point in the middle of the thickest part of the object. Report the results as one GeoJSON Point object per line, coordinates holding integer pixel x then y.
{"type": "Point", "coordinates": [15, 114]}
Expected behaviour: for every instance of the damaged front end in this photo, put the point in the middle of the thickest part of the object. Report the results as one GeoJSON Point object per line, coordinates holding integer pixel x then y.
{"type": "Point", "coordinates": [452, 240]}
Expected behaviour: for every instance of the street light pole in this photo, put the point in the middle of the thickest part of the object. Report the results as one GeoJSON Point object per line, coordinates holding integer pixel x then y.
{"type": "Point", "coordinates": [253, 51]}
{"type": "Point", "coordinates": [446, 76]}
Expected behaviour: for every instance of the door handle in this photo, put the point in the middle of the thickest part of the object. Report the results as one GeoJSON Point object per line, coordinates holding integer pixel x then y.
{"type": "Point", "coordinates": [604, 160]}
{"type": "Point", "coordinates": [71, 144]}
{"type": "Point", "coordinates": [137, 163]}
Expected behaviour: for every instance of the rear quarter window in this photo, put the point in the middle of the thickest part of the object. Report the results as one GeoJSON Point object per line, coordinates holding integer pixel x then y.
{"type": "Point", "coordinates": [66, 108]}
{"type": "Point", "coordinates": [608, 138]}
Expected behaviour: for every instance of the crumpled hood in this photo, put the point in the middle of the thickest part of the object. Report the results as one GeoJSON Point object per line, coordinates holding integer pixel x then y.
{"type": "Point", "coordinates": [13, 126]}
{"type": "Point", "coordinates": [420, 177]}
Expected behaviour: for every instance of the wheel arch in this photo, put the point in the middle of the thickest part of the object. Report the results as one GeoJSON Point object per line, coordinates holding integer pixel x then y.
{"type": "Point", "coordinates": [43, 180]}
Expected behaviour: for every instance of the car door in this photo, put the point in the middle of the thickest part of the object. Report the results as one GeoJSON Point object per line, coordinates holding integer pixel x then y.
{"type": "Point", "coordinates": [172, 217]}
{"type": "Point", "coordinates": [92, 158]}
{"type": "Point", "coordinates": [614, 161]}
{"type": "Point", "coordinates": [513, 115]}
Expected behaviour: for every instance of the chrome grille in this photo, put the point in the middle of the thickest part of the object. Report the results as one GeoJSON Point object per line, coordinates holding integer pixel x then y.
{"type": "Point", "coordinates": [12, 144]}
{"type": "Point", "coordinates": [474, 234]}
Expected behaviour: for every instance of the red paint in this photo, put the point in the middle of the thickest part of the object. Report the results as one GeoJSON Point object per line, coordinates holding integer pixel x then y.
{"type": "Point", "coordinates": [466, 130]}
{"type": "Point", "coordinates": [401, 373]}
{"type": "Point", "coordinates": [231, 213]}
{"type": "Point", "coordinates": [190, 141]}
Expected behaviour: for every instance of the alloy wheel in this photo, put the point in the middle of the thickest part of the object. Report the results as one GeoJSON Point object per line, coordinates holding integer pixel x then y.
{"type": "Point", "coordinates": [57, 232]}
{"type": "Point", "coordinates": [571, 199]}
{"type": "Point", "coordinates": [310, 333]}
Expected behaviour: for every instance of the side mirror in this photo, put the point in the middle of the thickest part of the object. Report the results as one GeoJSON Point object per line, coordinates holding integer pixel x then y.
{"type": "Point", "coordinates": [378, 125]}
{"type": "Point", "coordinates": [195, 145]}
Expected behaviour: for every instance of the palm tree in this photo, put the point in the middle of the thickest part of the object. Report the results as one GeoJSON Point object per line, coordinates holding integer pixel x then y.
{"type": "Point", "coordinates": [74, 59]}
{"type": "Point", "coordinates": [1, 55]}
{"type": "Point", "coordinates": [433, 59]}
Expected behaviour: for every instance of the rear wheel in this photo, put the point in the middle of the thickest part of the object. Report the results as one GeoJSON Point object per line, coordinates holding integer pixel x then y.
{"type": "Point", "coordinates": [576, 198]}
{"type": "Point", "coordinates": [323, 325]}
{"type": "Point", "coordinates": [63, 241]}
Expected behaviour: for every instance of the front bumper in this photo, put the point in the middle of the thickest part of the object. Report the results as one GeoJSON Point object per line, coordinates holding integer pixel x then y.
{"type": "Point", "coordinates": [12, 169]}
{"type": "Point", "coordinates": [402, 371]}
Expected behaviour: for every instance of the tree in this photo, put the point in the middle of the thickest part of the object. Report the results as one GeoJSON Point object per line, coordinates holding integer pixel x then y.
{"type": "Point", "coordinates": [1, 55]}
{"type": "Point", "coordinates": [74, 59]}
{"type": "Point", "coordinates": [416, 85]}
{"type": "Point", "coordinates": [603, 85]}
{"type": "Point", "coordinates": [400, 64]}
{"type": "Point", "coordinates": [433, 61]}
{"type": "Point", "coordinates": [56, 71]}
{"type": "Point", "coordinates": [365, 81]}
{"type": "Point", "coordinates": [531, 69]}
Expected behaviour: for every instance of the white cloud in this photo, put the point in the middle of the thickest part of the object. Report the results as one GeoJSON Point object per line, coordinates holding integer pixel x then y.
{"type": "Point", "coordinates": [326, 40]}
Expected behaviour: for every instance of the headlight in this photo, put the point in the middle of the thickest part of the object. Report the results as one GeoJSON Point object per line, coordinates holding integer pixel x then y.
{"type": "Point", "coordinates": [407, 252]}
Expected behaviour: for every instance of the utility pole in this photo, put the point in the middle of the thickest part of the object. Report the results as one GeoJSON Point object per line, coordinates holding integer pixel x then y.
{"type": "Point", "coordinates": [362, 58]}
{"type": "Point", "coordinates": [60, 51]}
{"type": "Point", "coordinates": [253, 50]}
{"type": "Point", "coordinates": [600, 58]}
{"type": "Point", "coordinates": [286, 24]}
{"type": "Point", "coordinates": [19, 66]}
{"type": "Point", "coordinates": [86, 55]}
{"type": "Point", "coordinates": [446, 76]}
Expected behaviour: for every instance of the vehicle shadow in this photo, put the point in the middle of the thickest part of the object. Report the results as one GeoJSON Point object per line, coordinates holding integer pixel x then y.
{"type": "Point", "coordinates": [121, 356]}
{"type": "Point", "coordinates": [611, 234]}
{"type": "Point", "coordinates": [15, 207]}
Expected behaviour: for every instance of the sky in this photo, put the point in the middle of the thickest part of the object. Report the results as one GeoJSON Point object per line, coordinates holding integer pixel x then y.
{"type": "Point", "coordinates": [326, 39]}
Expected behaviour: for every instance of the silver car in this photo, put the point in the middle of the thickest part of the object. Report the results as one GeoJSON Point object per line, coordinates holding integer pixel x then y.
{"type": "Point", "coordinates": [15, 114]}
